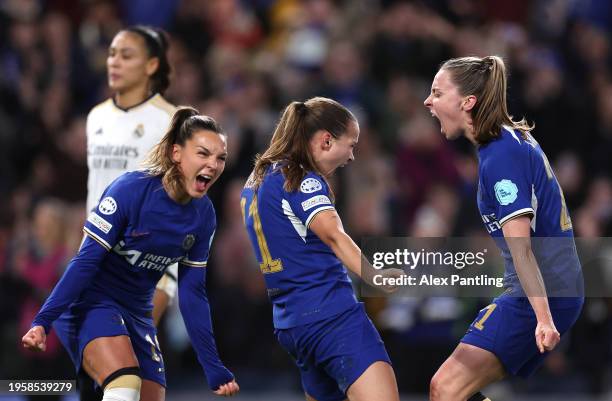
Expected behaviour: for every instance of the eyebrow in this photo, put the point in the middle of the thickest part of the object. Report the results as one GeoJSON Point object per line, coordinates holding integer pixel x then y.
{"type": "Point", "coordinates": [208, 150]}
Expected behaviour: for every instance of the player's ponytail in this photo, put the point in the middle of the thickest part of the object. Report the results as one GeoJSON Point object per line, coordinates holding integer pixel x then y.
{"type": "Point", "coordinates": [156, 43]}
{"type": "Point", "coordinates": [159, 162]}
{"type": "Point", "coordinates": [485, 78]}
{"type": "Point", "coordinates": [290, 144]}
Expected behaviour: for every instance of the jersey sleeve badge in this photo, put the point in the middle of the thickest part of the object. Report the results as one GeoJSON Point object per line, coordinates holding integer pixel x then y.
{"type": "Point", "coordinates": [108, 206]}
{"type": "Point", "coordinates": [310, 185]}
{"type": "Point", "coordinates": [506, 192]}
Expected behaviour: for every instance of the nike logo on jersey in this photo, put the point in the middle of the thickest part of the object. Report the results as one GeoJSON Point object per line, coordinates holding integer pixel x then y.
{"type": "Point", "coordinates": [139, 233]}
{"type": "Point", "coordinates": [99, 131]}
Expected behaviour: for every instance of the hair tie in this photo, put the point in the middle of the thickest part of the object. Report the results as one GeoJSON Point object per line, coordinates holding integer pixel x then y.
{"type": "Point", "coordinates": [301, 109]}
{"type": "Point", "coordinates": [488, 63]}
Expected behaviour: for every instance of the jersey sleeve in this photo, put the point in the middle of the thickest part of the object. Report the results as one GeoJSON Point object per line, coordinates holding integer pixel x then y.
{"type": "Point", "coordinates": [197, 256]}
{"type": "Point", "coordinates": [507, 183]}
{"type": "Point", "coordinates": [311, 198]}
{"type": "Point", "coordinates": [107, 221]}
{"type": "Point", "coordinates": [77, 277]}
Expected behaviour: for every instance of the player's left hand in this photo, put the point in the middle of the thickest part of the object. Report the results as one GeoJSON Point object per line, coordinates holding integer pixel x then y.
{"type": "Point", "coordinates": [547, 336]}
{"type": "Point", "coordinates": [228, 389]}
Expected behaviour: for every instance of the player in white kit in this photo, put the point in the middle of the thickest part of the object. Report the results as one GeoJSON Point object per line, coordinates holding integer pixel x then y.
{"type": "Point", "coordinates": [122, 129]}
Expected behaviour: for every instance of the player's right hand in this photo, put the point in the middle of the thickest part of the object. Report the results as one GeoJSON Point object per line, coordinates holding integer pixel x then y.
{"type": "Point", "coordinates": [392, 273]}
{"type": "Point", "coordinates": [228, 389]}
{"type": "Point", "coordinates": [35, 339]}
{"type": "Point", "coordinates": [547, 336]}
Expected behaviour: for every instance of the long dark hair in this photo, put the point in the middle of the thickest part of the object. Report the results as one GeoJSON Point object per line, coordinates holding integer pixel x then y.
{"type": "Point", "coordinates": [185, 122]}
{"type": "Point", "coordinates": [486, 79]}
{"type": "Point", "coordinates": [291, 138]}
{"type": "Point", "coordinates": [156, 43]}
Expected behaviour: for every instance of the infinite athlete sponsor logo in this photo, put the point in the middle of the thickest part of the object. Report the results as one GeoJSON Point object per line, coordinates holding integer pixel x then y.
{"type": "Point", "coordinates": [147, 261]}
{"type": "Point", "coordinates": [315, 201]}
{"type": "Point", "coordinates": [100, 223]}
{"type": "Point", "coordinates": [310, 185]}
{"type": "Point", "coordinates": [108, 206]}
{"type": "Point", "coordinates": [506, 192]}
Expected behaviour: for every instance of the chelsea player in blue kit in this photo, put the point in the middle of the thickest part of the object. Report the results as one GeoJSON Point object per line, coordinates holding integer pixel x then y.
{"type": "Point", "coordinates": [523, 209]}
{"type": "Point", "coordinates": [145, 221]}
{"type": "Point", "coordinates": [301, 247]}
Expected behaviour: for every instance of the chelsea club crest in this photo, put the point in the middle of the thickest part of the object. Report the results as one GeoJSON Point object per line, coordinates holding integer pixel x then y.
{"type": "Point", "coordinates": [188, 241]}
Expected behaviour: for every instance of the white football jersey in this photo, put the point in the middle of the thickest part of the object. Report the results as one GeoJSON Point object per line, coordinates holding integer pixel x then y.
{"type": "Point", "coordinates": [118, 140]}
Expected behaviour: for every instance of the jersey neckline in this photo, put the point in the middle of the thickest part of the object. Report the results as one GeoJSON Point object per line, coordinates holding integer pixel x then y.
{"type": "Point", "coordinates": [127, 109]}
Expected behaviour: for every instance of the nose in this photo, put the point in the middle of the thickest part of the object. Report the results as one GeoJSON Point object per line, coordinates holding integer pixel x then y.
{"type": "Point", "coordinates": [427, 101]}
{"type": "Point", "coordinates": [213, 164]}
{"type": "Point", "coordinates": [352, 156]}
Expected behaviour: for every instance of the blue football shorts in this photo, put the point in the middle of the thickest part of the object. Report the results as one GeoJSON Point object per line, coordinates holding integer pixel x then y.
{"type": "Point", "coordinates": [332, 353]}
{"type": "Point", "coordinates": [507, 329]}
{"type": "Point", "coordinates": [78, 326]}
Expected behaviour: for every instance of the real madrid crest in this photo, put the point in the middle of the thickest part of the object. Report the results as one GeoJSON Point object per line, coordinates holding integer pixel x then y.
{"type": "Point", "coordinates": [139, 131]}
{"type": "Point", "coordinates": [188, 241]}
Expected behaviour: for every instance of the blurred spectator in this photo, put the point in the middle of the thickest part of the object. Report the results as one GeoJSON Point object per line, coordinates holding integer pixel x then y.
{"type": "Point", "coordinates": [423, 160]}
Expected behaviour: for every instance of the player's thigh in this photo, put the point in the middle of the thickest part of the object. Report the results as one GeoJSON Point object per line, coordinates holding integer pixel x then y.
{"type": "Point", "coordinates": [152, 391]}
{"type": "Point", "coordinates": [105, 355]}
{"type": "Point", "coordinates": [465, 372]}
{"type": "Point", "coordinates": [377, 383]}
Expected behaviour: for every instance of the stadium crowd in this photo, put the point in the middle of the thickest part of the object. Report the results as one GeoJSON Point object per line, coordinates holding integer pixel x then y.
{"type": "Point", "coordinates": [239, 62]}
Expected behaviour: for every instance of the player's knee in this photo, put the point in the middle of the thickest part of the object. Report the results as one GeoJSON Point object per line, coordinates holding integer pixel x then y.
{"type": "Point", "coordinates": [122, 385]}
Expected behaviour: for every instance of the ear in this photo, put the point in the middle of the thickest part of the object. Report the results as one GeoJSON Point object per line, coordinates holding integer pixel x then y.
{"type": "Point", "coordinates": [468, 103]}
{"type": "Point", "coordinates": [152, 65]}
{"type": "Point", "coordinates": [176, 153]}
{"type": "Point", "coordinates": [326, 139]}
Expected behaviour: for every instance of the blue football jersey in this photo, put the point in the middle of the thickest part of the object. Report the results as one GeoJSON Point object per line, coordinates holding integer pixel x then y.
{"type": "Point", "coordinates": [306, 281]}
{"type": "Point", "coordinates": [144, 231]}
{"type": "Point", "coordinates": [515, 178]}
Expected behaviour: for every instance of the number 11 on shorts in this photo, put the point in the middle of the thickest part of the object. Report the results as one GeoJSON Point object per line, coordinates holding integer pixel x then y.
{"type": "Point", "coordinates": [480, 324]}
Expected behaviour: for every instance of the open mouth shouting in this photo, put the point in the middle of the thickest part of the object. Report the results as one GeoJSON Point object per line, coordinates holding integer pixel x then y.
{"type": "Point", "coordinates": [203, 182]}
